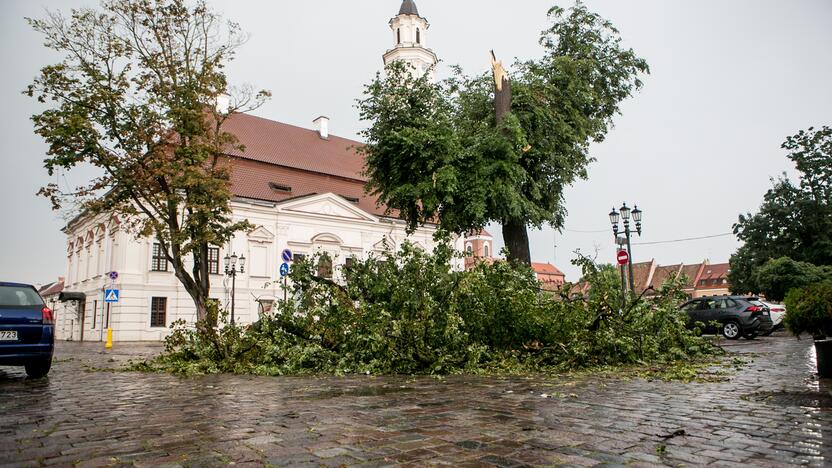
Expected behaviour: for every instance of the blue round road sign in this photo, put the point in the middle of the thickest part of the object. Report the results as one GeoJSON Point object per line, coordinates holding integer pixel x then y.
{"type": "Point", "coordinates": [284, 269]}
{"type": "Point", "coordinates": [287, 255]}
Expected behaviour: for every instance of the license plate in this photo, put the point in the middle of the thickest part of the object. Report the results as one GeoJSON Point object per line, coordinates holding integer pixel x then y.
{"type": "Point", "coordinates": [8, 335]}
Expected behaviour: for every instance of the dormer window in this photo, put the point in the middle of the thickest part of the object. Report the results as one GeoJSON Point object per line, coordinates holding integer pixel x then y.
{"type": "Point", "coordinates": [280, 187]}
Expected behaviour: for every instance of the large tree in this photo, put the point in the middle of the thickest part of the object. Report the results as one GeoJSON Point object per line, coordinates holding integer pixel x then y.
{"type": "Point", "coordinates": [794, 220]}
{"type": "Point", "coordinates": [135, 96]}
{"type": "Point", "coordinates": [439, 152]}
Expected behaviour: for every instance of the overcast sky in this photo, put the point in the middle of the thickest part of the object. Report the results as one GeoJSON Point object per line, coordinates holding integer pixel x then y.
{"type": "Point", "coordinates": [696, 147]}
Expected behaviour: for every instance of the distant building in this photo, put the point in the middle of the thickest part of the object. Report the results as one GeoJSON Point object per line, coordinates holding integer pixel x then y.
{"type": "Point", "coordinates": [701, 279]}
{"type": "Point", "coordinates": [550, 278]}
{"type": "Point", "coordinates": [713, 280]}
{"type": "Point", "coordinates": [479, 247]}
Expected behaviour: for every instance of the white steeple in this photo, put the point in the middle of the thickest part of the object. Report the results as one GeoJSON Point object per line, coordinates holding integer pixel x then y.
{"type": "Point", "coordinates": [409, 34]}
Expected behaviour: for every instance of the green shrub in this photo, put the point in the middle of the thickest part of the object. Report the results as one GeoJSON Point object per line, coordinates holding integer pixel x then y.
{"type": "Point", "coordinates": [809, 310]}
{"type": "Point", "coordinates": [410, 312]}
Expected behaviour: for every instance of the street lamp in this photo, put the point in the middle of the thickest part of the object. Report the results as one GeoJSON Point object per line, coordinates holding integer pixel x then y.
{"type": "Point", "coordinates": [231, 270]}
{"type": "Point", "coordinates": [625, 213]}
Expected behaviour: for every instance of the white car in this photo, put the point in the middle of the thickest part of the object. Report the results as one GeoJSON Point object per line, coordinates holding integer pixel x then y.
{"type": "Point", "coordinates": [777, 312]}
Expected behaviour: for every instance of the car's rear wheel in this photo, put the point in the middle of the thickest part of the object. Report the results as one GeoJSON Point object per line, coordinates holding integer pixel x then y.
{"type": "Point", "coordinates": [38, 368]}
{"type": "Point", "coordinates": [732, 330]}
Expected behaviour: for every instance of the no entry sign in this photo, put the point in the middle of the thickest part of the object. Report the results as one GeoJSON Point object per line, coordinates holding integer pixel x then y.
{"type": "Point", "coordinates": [623, 257]}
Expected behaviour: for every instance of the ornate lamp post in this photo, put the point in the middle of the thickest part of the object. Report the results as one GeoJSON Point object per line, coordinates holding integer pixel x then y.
{"type": "Point", "coordinates": [231, 270]}
{"type": "Point", "coordinates": [625, 213]}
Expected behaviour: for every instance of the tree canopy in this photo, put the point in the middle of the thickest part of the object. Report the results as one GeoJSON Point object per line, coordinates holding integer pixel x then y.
{"type": "Point", "coordinates": [794, 220]}
{"type": "Point", "coordinates": [436, 152]}
{"type": "Point", "coordinates": [135, 96]}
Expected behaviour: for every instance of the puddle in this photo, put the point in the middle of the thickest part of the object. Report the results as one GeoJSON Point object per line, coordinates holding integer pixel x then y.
{"type": "Point", "coordinates": [357, 392]}
{"type": "Point", "coordinates": [803, 399]}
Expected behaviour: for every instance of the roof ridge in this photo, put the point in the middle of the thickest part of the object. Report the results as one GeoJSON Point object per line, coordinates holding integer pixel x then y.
{"type": "Point", "coordinates": [331, 135]}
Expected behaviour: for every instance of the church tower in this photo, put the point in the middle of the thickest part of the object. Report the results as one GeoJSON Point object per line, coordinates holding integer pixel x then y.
{"type": "Point", "coordinates": [409, 34]}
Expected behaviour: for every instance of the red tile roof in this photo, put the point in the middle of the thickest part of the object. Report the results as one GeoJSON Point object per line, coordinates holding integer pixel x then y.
{"type": "Point", "coordinates": [480, 233]}
{"type": "Point", "coordinates": [279, 155]}
{"type": "Point", "coordinates": [692, 274]}
{"type": "Point", "coordinates": [641, 274]}
{"type": "Point", "coordinates": [663, 273]}
{"type": "Point", "coordinates": [295, 147]}
{"type": "Point", "coordinates": [252, 179]}
{"type": "Point", "coordinates": [52, 288]}
{"type": "Point", "coordinates": [715, 271]}
{"type": "Point", "coordinates": [546, 269]}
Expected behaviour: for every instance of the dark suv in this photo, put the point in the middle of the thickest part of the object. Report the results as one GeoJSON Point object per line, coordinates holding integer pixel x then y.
{"type": "Point", "coordinates": [738, 315]}
{"type": "Point", "coordinates": [27, 335]}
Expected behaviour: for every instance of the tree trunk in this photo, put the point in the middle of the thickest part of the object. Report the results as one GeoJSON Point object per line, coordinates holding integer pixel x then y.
{"type": "Point", "coordinates": [515, 234]}
{"type": "Point", "coordinates": [516, 238]}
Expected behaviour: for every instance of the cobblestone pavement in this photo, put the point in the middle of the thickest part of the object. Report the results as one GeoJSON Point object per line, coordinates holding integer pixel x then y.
{"type": "Point", "coordinates": [772, 412]}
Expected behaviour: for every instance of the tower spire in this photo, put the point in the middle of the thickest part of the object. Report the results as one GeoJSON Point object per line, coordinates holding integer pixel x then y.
{"type": "Point", "coordinates": [409, 35]}
{"type": "Point", "coordinates": [408, 8]}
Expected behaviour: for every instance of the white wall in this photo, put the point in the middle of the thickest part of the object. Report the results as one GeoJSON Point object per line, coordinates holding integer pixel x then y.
{"type": "Point", "coordinates": [306, 226]}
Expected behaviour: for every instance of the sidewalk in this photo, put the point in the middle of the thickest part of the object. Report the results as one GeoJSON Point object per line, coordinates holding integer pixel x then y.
{"type": "Point", "coordinates": [771, 412]}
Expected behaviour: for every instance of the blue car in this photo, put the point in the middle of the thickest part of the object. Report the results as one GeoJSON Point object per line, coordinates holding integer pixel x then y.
{"type": "Point", "coordinates": [27, 329]}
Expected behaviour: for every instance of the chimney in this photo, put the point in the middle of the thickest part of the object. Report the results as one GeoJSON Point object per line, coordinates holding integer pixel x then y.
{"type": "Point", "coordinates": [322, 126]}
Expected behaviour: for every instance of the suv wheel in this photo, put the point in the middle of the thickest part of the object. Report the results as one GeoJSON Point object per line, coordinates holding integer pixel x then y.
{"type": "Point", "coordinates": [38, 368]}
{"type": "Point", "coordinates": [732, 330]}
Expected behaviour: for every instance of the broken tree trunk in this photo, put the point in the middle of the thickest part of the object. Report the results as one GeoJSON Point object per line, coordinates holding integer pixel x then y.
{"type": "Point", "coordinates": [515, 233]}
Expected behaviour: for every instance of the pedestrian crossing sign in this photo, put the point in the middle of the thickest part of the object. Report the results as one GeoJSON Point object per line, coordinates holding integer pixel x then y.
{"type": "Point", "coordinates": [111, 295]}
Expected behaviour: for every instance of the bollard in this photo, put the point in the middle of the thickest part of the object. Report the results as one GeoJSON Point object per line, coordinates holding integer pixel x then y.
{"type": "Point", "coordinates": [109, 344]}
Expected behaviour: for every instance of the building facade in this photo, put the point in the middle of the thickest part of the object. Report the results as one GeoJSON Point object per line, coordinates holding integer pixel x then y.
{"type": "Point", "coordinates": [302, 189]}
{"type": "Point", "coordinates": [151, 297]}
{"type": "Point", "coordinates": [701, 279]}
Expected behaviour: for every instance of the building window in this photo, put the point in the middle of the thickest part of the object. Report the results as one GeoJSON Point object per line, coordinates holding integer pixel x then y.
{"type": "Point", "coordinates": [325, 267]}
{"type": "Point", "coordinates": [258, 261]}
{"type": "Point", "coordinates": [418, 36]}
{"type": "Point", "coordinates": [349, 262]}
{"type": "Point", "coordinates": [158, 311]}
{"type": "Point", "coordinates": [469, 249]}
{"type": "Point", "coordinates": [299, 258]}
{"type": "Point", "coordinates": [94, 312]}
{"type": "Point", "coordinates": [485, 250]}
{"type": "Point", "coordinates": [266, 306]}
{"type": "Point", "coordinates": [214, 260]}
{"type": "Point", "coordinates": [398, 36]}
{"type": "Point", "coordinates": [159, 262]}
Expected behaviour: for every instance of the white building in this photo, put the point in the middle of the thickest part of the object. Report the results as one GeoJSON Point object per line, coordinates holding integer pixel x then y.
{"type": "Point", "coordinates": [301, 188]}
{"type": "Point", "coordinates": [410, 36]}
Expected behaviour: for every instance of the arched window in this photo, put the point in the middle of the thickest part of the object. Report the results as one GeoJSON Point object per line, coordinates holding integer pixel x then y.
{"type": "Point", "coordinates": [418, 36]}
{"type": "Point", "coordinates": [485, 250]}
{"type": "Point", "coordinates": [398, 36]}
{"type": "Point", "coordinates": [469, 249]}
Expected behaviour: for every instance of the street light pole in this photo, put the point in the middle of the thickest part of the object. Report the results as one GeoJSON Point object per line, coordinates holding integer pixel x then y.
{"type": "Point", "coordinates": [624, 213]}
{"type": "Point", "coordinates": [231, 270]}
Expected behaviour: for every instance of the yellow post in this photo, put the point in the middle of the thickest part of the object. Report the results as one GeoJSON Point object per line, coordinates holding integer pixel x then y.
{"type": "Point", "coordinates": [109, 344]}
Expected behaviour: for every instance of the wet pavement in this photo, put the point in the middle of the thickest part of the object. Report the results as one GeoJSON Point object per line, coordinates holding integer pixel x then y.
{"type": "Point", "coordinates": [770, 412]}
